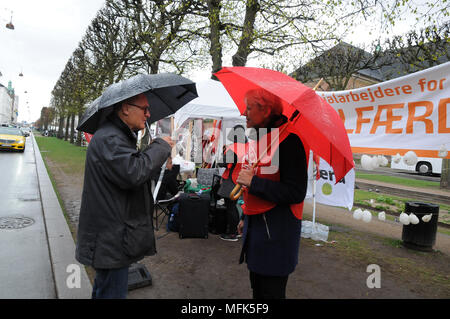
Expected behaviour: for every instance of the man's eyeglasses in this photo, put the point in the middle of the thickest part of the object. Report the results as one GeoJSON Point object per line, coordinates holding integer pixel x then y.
{"type": "Point", "coordinates": [144, 108]}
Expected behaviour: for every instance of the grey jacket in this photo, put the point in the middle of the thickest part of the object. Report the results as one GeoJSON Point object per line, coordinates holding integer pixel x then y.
{"type": "Point", "coordinates": [115, 224]}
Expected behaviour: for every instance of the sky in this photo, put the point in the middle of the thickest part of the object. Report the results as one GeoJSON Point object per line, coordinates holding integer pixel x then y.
{"type": "Point", "coordinates": [45, 35]}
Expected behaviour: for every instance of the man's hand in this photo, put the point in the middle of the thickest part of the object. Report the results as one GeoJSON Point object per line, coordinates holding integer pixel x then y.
{"type": "Point", "coordinates": [245, 177]}
{"type": "Point", "coordinates": [169, 140]}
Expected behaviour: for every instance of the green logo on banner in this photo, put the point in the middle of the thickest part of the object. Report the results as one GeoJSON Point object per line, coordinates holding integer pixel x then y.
{"type": "Point", "coordinates": [327, 189]}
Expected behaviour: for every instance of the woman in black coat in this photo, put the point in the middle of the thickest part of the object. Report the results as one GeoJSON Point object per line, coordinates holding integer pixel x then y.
{"type": "Point", "coordinates": [271, 239]}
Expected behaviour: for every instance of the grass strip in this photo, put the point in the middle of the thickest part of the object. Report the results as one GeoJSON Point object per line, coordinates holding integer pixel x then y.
{"type": "Point", "coordinates": [54, 150]}
{"type": "Point", "coordinates": [398, 180]}
{"type": "Point", "coordinates": [70, 158]}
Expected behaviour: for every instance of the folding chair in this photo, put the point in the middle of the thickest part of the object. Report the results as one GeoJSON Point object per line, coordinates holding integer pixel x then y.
{"type": "Point", "coordinates": [161, 208]}
{"type": "Point", "coordinates": [170, 185]}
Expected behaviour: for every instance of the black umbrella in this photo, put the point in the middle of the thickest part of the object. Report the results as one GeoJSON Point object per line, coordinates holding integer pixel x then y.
{"type": "Point", "coordinates": [165, 92]}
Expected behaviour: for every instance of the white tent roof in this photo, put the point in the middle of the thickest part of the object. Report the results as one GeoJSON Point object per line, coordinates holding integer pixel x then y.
{"type": "Point", "coordinates": [213, 102]}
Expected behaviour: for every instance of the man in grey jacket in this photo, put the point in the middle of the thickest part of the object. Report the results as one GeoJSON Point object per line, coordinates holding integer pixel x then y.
{"type": "Point", "coordinates": [115, 225]}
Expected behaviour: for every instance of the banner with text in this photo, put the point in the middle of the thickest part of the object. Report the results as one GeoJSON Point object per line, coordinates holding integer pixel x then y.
{"type": "Point", "coordinates": [327, 192]}
{"type": "Point", "coordinates": [396, 116]}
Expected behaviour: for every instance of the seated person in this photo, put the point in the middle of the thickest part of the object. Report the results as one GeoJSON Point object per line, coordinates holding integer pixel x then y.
{"type": "Point", "coordinates": [169, 183]}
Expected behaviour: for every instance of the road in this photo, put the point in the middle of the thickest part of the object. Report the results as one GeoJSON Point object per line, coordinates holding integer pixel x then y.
{"type": "Point", "coordinates": [22, 230]}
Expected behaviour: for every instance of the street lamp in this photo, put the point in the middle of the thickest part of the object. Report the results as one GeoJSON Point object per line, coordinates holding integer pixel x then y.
{"type": "Point", "coordinates": [10, 25]}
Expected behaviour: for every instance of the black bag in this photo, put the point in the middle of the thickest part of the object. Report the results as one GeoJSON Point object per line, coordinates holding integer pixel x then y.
{"type": "Point", "coordinates": [225, 188]}
{"type": "Point", "coordinates": [193, 215]}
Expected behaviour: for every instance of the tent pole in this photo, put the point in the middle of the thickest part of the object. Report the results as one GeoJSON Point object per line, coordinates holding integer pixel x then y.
{"type": "Point", "coordinates": [187, 156]}
{"type": "Point", "coordinates": [314, 196]}
{"type": "Point", "coordinates": [172, 134]}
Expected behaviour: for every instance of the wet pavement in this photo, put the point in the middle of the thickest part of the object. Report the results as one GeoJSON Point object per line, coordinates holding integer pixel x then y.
{"type": "Point", "coordinates": [25, 267]}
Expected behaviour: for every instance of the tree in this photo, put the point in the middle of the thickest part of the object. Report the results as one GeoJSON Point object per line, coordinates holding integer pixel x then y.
{"type": "Point", "coordinates": [262, 27]}
{"type": "Point", "coordinates": [109, 47]}
{"type": "Point", "coordinates": [419, 50]}
{"type": "Point", "coordinates": [339, 64]}
{"type": "Point", "coordinates": [46, 118]}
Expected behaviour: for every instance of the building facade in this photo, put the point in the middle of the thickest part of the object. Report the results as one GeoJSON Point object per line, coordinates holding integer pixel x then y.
{"type": "Point", "coordinates": [9, 105]}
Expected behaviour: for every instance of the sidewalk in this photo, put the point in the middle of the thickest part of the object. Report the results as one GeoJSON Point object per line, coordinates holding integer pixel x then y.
{"type": "Point", "coordinates": [66, 270]}
{"type": "Point", "coordinates": [25, 268]}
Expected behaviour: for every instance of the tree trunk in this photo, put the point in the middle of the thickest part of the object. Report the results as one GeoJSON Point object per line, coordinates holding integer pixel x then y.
{"type": "Point", "coordinates": [72, 128]}
{"type": "Point", "coordinates": [66, 133]}
{"type": "Point", "coordinates": [445, 174]}
{"type": "Point", "coordinates": [241, 55]}
{"type": "Point", "coordinates": [154, 66]}
{"type": "Point", "coordinates": [61, 126]}
{"type": "Point", "coordinates": [215, 48]}
{"type": "Point", "coordinates": [80, 114]}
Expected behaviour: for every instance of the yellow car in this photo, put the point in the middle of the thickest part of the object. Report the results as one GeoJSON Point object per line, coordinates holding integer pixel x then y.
{"type": "Point", "coordinates": [12, 138]}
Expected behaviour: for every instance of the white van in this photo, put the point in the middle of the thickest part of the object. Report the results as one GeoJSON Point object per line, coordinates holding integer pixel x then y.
{"type": "Point", "coordinates": [424, 166]}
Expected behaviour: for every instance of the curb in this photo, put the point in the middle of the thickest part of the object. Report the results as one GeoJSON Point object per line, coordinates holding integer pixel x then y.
{"type": "Point", "coordinates": [60, 242]}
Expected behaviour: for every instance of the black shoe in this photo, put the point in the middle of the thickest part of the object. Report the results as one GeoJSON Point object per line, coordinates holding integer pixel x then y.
{"type": "Point", "coordinates": [229, 237]}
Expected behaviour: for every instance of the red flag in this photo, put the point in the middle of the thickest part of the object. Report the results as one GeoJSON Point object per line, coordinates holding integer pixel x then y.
{"type": "Point", "coordinates": [88, 137]}
{"type": "Point", "coordinates": [316, 160]}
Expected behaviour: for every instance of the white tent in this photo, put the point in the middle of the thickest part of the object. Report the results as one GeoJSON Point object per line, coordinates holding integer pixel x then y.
{"type": "Point", "coordinates": [213, 102]}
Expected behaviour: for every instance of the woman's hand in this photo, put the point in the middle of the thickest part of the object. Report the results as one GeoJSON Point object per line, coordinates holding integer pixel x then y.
{"type": "Point", "coordinates": [245, 177]}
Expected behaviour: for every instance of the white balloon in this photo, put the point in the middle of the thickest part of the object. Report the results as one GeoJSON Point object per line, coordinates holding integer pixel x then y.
{"type": "Point", "coordinates": [413, 219]}
{"type": "Point", "coordinates": [367, 216]}
{"type": "Point", "coordinates": [366, 162]}
{"type": "Point", "coordinates": [410, 158]}
{"type": "Point", "coordinates": [427, 218]}
{"type": "Point", "coordinates": [404, 219]}
{"type": "Point", "coordinates": [397, 158]}
{"type": "Point", "coordinates": [382, 216]}
{"type": "Point", "coordinates": [384, 161]}
{"type": "Point", "coordinates": [357, 214]}
{"type": "Point", "coordinates": [442, 151]}
{"type": "Point", "coordinates": [374, 162]}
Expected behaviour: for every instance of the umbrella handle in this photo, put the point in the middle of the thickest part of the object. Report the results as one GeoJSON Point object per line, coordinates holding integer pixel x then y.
{"type": "Point", "coordinates": [236, 192]}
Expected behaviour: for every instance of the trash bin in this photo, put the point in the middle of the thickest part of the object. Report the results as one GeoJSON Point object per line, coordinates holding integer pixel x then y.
{"type": "Point", "coordinates": [421, 236]}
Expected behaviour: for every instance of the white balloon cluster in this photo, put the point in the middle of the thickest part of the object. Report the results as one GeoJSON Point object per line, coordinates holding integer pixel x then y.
{"type": "Point", "coordinates": [406, 219]}
{"type": "Point", "coordinates": [366, 215]}
{"type": "Point", "coordinates": [370, 163]}
{"type": "Point", "coordinates": [410, 158]}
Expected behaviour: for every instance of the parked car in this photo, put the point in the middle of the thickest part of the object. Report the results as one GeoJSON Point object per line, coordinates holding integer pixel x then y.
{"type": "Point", "coordinates": [12, 138]}
{"type": "Point", "coordinates": [26, 131]}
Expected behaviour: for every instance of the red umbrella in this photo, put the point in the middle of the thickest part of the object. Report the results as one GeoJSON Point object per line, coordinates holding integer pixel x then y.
{"type": "Point", "coordinates": [318, 123]}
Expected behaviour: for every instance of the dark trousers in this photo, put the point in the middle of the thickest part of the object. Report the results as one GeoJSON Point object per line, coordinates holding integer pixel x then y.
{"type": "Point", "coordinates": [232, 216]}
{"type": "Point", "coordinates": [268, 287]}
{"type": "Point", "coordinates": [110, 284]}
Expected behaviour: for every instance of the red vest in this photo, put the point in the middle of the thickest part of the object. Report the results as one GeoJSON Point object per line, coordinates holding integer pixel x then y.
{"type": "Point", "coordinates": [253, 204]}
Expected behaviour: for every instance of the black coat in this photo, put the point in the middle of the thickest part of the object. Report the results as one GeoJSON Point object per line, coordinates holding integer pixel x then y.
{"type": "Point", "coordinates": [115, 225]}
{"type": "Point", "coordinates": [271, 245]}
